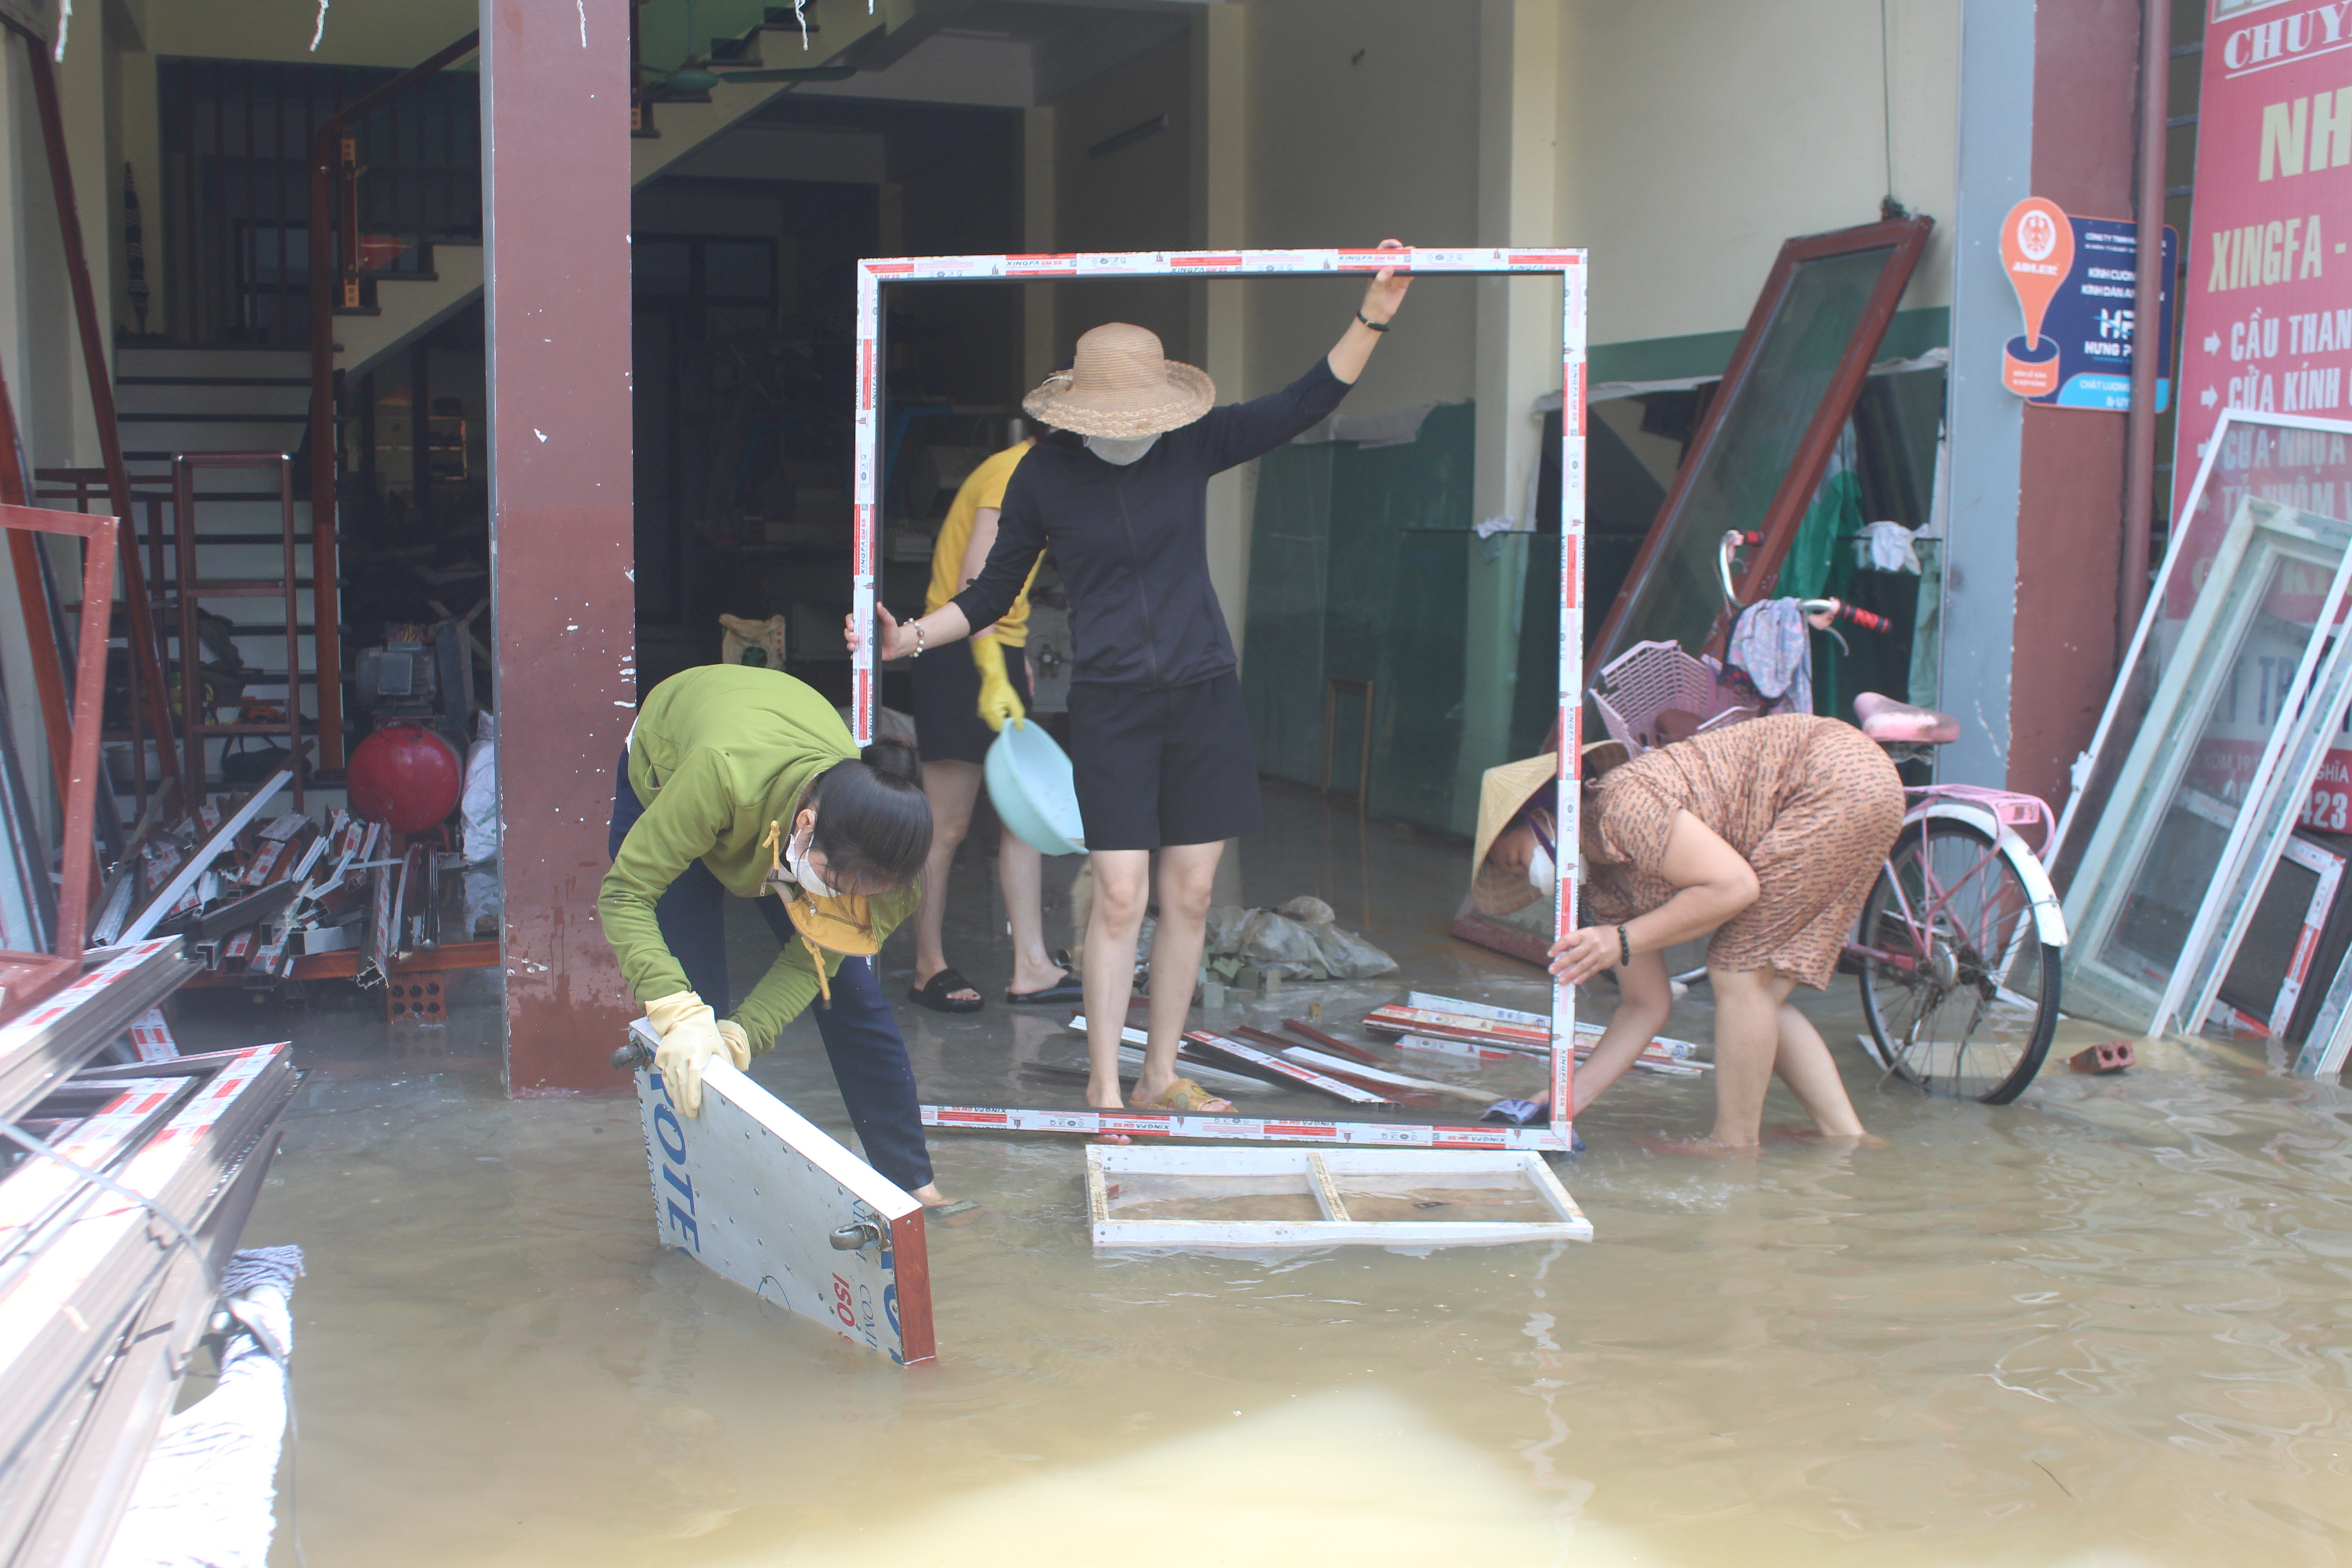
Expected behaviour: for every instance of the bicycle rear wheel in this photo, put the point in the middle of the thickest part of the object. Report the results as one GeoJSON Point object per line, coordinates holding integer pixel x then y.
{"type": "Point", "coordinates": [1960, 991]}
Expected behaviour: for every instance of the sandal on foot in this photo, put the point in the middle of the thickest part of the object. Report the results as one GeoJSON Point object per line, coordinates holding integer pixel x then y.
{"type": "Point", "coordinates": [962, 1212]}
{"type": "Point", "coordinates": [1065, 989]}
{"type": "Point", "coordinates": [1186, 1098]}
{"type": "Point", "coordinates": [937, 992]}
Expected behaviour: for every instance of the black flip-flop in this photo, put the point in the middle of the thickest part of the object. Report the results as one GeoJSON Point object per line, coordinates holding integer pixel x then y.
{"type": "Point", "coordinates": [1065, 989]}
{"type": "Point", "coordinates": [935, 993]}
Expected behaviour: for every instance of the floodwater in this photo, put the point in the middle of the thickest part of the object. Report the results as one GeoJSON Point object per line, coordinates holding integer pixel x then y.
{"type": "Point", "coordinates": [2107, 1324]}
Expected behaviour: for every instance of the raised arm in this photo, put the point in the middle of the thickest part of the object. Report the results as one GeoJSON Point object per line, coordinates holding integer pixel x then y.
{"type": "Point", "coordinates": [1240, 431]}
{"type": "Point", "coordinates": [1382, 295]}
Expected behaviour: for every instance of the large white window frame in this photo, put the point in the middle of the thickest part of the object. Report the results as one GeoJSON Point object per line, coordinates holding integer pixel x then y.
{"type": "Point", "coordinates": [1569, 266]}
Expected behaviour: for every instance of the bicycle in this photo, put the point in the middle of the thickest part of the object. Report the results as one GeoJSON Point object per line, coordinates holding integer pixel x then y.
{"type": "Point", "coordinates": [1959, 947]}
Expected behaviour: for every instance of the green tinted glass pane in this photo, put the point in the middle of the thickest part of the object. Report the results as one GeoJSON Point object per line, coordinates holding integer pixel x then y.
{"type": "Point", "coordinates": [1282, 662]}
{"type": "Point", "coordinates": [1677, 596]}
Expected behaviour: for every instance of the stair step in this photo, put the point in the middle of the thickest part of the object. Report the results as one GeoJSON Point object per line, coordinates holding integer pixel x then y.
{"type": "Point", "coordinates": [181, 417]}
{"type": "Point", "coordinates": [165, 454]}
{"type": "Point", "coordinates": [301, 381]}
{"type": "Point", "coordinates": [211, 361]}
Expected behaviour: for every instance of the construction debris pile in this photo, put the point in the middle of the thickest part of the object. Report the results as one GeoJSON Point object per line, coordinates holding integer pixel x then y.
{"type": "Point", "coordinates": [1246, 949]}
{"type": "Point", "coordinates": [255, 898]}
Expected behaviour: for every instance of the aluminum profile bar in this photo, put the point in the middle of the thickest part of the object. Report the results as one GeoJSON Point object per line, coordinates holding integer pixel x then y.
{"type": "Point", "coordinates": [100, 1307]}
{"type": "Point", "coordinates": [40, 1047]}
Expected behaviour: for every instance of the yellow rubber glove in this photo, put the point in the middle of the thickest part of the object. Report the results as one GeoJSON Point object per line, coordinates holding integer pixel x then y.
{"type": "Point", "coordinates": [998, 701]}
{"type": "Point", "coordinates": [690, 1038]}
{"type": "Point", "coordinates": [738, 1044]}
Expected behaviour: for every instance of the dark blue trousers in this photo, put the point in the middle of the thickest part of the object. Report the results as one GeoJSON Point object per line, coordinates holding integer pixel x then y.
{"type": "Point", "coordinates": [861, 1035]}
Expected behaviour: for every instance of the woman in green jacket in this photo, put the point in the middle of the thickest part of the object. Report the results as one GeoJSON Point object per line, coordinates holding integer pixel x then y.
{"type": "Point", "coordinates": [745, 781]}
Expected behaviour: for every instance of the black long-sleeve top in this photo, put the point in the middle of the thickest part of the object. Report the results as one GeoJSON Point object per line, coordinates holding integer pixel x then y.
{"type": "Point", "coordinates": [1132, 543]}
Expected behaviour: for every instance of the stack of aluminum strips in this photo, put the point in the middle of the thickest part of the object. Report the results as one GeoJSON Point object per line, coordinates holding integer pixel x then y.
{"type": "Point", "coordinates": [40, 1047]}
{"type": "Point", "coordinates": [101, 1302]}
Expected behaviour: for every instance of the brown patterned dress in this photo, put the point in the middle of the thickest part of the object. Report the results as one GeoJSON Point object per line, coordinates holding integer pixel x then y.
{"type": "Point", "coordinates": [1813, 804]}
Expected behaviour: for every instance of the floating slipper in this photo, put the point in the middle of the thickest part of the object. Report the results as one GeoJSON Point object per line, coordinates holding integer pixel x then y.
{"type": "Point", "coordinates": [1065, 989]}
{"type": "Point", "coordinates": [1185, 1098]}
{"type": "Point", "coordinates": [936, 993]}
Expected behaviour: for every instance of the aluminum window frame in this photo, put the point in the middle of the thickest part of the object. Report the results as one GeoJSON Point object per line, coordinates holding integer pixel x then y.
{"type": "Point", "coordinates": [1569, 266]}
{"type": "Point", "coordinates": [2260, 536]}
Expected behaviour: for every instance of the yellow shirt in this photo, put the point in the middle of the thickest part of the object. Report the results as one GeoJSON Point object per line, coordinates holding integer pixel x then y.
{"type": "Point", "coordinates": [985, 488]}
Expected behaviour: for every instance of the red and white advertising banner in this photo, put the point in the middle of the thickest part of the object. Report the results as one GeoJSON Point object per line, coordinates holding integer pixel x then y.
{"type": "Point", "coordinates": [2269, 322]}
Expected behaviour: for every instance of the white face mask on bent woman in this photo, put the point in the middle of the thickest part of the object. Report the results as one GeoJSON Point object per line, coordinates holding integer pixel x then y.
{"type": "Point", "coordinates": [796, 865]}
{"type": "Point", "coordinates": [1121, 450]}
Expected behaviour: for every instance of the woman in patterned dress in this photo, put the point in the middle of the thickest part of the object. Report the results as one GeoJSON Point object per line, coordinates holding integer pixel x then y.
{"type": "Point", "coordinates": [1768, 834]}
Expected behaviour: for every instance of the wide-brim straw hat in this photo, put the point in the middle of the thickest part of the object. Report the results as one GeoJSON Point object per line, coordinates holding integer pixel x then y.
{"type": "Point", "coordinates": [1122, 385]}
{"type": "Point", "coordinates": [1502, 793]}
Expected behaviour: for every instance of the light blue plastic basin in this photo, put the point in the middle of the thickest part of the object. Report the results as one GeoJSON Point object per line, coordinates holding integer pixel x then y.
{"type": "Point", "coordinates": [1030, 784]}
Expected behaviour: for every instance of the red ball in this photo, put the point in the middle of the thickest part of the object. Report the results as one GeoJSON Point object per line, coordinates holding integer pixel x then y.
{"type": "Point", "coordinates": [406, 777]}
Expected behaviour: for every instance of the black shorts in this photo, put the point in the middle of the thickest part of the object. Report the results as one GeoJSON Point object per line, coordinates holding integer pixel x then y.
{"type": "Point", "coordinates": [1163, 767]}
{"type": "Point", "coordinates": [948, 725]}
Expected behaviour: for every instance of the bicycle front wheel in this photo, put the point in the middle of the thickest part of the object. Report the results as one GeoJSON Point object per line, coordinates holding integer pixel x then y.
{"type": "Point", "coordinates": [1960, 991]}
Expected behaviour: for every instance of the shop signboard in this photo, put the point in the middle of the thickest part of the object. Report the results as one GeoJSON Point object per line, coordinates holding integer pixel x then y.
{"type": "Point", "coordinates": [2077, 283]}
{"type": "Point", "coordinates": [2269, 303]}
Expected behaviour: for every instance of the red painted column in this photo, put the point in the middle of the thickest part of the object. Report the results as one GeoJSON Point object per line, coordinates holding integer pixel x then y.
{"type": "Point", "coordinates": [2070, 516]}
{"type": "Point", "coordinates": [555, 198]}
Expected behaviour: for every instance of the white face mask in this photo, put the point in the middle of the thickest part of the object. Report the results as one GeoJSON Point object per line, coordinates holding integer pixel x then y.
{"type": "Point", "coordinates": [796, 861]}
{"type": "Point", "coordinates": [1112, 450]}
{"type": "Point", "coordinates": [1542, 875]}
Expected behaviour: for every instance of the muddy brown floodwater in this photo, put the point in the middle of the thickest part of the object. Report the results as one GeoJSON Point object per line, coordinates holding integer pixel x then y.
{"type": "Point", "coordinates": [2107, 1324]}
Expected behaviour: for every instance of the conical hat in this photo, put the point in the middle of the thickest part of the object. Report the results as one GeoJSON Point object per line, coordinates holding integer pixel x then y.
{"type": "Point", "coordinates": [1502, 792]}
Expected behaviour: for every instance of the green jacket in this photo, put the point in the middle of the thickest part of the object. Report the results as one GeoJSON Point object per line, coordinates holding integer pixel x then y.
{"type": "Point", "coordinates": [720, 754]}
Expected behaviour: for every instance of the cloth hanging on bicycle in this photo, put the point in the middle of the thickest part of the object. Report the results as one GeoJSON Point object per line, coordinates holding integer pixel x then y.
{"type": "Point", "coordinates": [1772, 646]}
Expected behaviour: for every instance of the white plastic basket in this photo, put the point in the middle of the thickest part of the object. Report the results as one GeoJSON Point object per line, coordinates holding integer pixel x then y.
{"type": "Point", "coordinates": [1652, 679]}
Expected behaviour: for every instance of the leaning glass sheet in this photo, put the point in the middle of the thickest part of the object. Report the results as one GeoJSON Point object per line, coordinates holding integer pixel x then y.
{"type": "Point", "coordinates": [2293, 459]}
{"type": "Point", "coordinates": [2220, 754]}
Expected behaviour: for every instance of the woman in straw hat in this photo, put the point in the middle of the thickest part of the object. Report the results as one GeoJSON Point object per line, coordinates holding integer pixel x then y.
{"type": "Point", "coordinates": [1158, 739]}
{"type": "Point", "coordinates": [1767, 835]}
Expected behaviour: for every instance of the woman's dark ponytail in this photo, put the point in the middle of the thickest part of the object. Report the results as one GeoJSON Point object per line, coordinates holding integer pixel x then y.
{"type": "Point", "coordinates": [873, 821]}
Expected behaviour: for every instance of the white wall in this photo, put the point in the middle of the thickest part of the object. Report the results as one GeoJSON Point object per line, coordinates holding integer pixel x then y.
{"type": "Point", "coordinates": [1697, 135]}
{"type": "Point", "coordinates": [1362, 125]}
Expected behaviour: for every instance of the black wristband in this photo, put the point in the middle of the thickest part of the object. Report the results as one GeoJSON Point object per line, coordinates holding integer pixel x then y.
{"type": "Point", "coordinates": [1375, 326]}
{"type": "Point", "coordinates": [1624, 947]}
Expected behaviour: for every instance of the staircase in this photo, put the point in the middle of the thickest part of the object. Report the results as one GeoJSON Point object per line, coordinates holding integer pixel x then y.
{"type": "Point", "coordinates": [182, 400]}
{"type": "Point", "coordinates": [732, 35]}
{"type": "Point", "coordinates": [174, 400]}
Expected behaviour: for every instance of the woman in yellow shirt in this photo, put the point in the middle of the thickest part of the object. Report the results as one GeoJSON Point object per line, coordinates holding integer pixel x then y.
{"type": "Point", "coordinates": [959, 704]}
